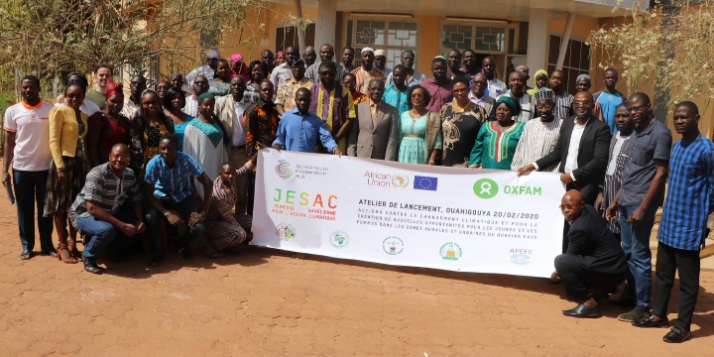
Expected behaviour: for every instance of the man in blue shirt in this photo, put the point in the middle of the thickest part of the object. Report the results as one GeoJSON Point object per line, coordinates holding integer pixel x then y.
{"type": "Point", "coordinates": [299, 129]}
{"type": "Point", "coordinates": [683, 227]}
{"type": "Point", "coordinates": [169, 192]}
{"type": "Point", "coordinates": [608, 99]}
{"type": "Point", "coordinates": [642, 192]}
{"type": "Point", "coordinates": [395, 94]}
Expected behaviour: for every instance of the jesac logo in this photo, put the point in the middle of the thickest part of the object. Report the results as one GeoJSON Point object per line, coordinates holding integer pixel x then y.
{"type": "Point", "coordinates": [286, 231]}
{"type": "Point", "coordinates": [400, 181]}
{"type": "Point", "coordinates": [450, 251]}
{"type": "Point", "coordinates": [393, 245]}
{"type": "Point", "coordinates": [284, 170]}
{"type": "Point", "coordinates": [339, 239]}
{"type": "Point", "coordinates": [486, 188]}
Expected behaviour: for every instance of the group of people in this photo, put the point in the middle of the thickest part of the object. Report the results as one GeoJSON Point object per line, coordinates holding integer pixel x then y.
{"type": "Point", "coordinates": [111, 166]}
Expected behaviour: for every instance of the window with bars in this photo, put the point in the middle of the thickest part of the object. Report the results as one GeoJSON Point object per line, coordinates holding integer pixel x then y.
{"type": "Point", "coordinates": [481, 38]}
{"type": "Point", "coordinates": [393, 36]}
{"type": "Point", "coordinates": [286, 36]}
{"type": "Point", "coordinates": [577, 59]}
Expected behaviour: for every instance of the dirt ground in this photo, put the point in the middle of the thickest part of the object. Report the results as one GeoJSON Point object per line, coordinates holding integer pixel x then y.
{"type": "Point", "coordinates": [272, 303]}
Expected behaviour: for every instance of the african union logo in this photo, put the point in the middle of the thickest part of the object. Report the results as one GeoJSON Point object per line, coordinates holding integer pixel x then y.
{"type": "Point", "coordinates": [339, 239]}
{"type": "Point", "coordinates": [400, 181]}
{"type": "Point", "coordinates": [284, 170]}
{"type": "Point", "coordinates": [393, 245]}
{"type": "Point", "coordinates": [286, 231]}
{"type": "Point", "coordinates": [450, 251]}
{"type": "Point", "coordinates": [486, 188]}
{"type": "Point", "coordinates": [520, 259]}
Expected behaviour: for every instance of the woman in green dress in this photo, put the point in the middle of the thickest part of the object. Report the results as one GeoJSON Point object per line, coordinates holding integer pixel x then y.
{"type": "Point", "coordinates": [420, 130]}
{"type": "Point", "coordinates": [497, 140]}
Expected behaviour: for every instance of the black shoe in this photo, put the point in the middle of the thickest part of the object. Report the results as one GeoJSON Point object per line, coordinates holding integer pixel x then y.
{"type": "Point", "coordinates": [677, 335]}
{"type": "Point", "coordinates": [624, 302]}
{"type": "Point", "coordinates": [650, 322]}
{"type": "Point", "coordinates": [185, 253]}
{"type": "Point", "coordinates": [26, 254]}
{"type": "Point", "coordinates": [52, 253]}
{"type": "Point", "coordinates": [583, 311]}
{"type": "Point", "coordinates": [156, 260]}
{"type": "Point", "coordinates": [638, 313]}
{"type": "Point", "coordinates": [91, 266]}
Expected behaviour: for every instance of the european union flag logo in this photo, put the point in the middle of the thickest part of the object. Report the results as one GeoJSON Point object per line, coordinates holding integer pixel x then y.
{"type": "Point", "coordinates": [425, 183]}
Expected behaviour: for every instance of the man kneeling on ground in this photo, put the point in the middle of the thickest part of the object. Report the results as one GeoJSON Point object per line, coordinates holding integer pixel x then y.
{"type": "Point", "coordinates": [594, 263]}
{"type": "Point", "coordinates": [100, 213]}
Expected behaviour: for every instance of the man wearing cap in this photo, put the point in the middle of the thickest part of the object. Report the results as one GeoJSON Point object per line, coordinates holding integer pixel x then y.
{"type": "Point", "coordinates": [583, 83]}
{"type": "Point", "coordinates": [366, 71]}
{"type": "Point", "coordinates": [207, 71]}
{"type": "Point", "coordinates": [540, 135]}
{"type": "Point", "coordinates": [285, 98]}
{"type": "Point", "coordinates": [327, 53]}
{"type": "Point", "coordinates": [380, 61]}
{"type": "Point", "coordinates": [414, 77]}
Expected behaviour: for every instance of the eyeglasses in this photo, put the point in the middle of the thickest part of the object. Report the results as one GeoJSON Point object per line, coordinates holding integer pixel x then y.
{"type": "Point", "coordinates": [562, 207]}
{"type": "Point", "coordinates": [584, 103]}
{"type": "Point", "coordinates": [636, 109]}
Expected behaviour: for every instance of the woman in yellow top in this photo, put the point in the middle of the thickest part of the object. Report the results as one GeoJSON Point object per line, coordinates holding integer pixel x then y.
{"type": "Point", "coordinates": [68, 126]}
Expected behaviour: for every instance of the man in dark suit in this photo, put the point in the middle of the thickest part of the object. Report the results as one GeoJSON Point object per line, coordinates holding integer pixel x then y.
{"type": "Point", "coordinates": [582, 150]}
{"type": "Point", "coordinates": [375, 134]}
{"type": "Point", "coordinates": [594, 263]}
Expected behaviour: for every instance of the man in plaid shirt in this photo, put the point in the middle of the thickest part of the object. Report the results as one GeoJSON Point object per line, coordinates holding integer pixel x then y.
{"type": "Point", "coordinates": [690, 199]}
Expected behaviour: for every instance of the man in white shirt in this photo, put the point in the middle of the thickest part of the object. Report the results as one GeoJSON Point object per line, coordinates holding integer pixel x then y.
{"type": "Point", "coordinates": [131, 104]}
{"type": "Point", "coordinates": [495, 86]}
{"type": "Point", "coordinates": [229, 110]}
{"type": "Point", "coordinates": [207, 71]}
{"type": "Point", "coordinates": [27, 132]}
{"type": "Point", "coordinates": [540, 135]}
{"type": "Point", "coordinates": [283, 72]}
{"type": "Point", "coordinates": [200, 86]}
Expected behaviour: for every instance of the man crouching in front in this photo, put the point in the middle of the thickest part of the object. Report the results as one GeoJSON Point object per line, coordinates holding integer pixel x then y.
{"type": "Point", "coordinates": [100, 213]}
{"type": "Point", "coordinates": [594, 263]}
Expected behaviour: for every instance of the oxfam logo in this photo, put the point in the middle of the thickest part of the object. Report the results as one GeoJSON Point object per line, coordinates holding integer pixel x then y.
{"type": "Point", "coordinates": [486, 188]}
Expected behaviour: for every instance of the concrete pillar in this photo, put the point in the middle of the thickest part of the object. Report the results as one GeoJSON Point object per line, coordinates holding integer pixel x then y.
{"type": "Point", "coordinates": [325, 29]}
{"type": "Point", "coordinates": [537, 51]}
{"type": "Point", "coordinates": [565, 41]}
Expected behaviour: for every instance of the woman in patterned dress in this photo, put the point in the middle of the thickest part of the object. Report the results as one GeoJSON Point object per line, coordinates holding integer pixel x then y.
{"type": "Point", "coordinates": [68, 127]}
{"type": "Point", "coordinates": [460, 123]}
{"type": "Point", "coordinates": [155, 123]}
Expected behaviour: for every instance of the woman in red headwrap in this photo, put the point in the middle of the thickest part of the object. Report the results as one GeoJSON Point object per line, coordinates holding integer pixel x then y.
{"type": "Point", "coordinates": [238, 66]}
{"type": "Point", "coordinates": [108, 127]}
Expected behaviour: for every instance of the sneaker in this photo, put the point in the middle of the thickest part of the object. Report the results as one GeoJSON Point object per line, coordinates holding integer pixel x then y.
{"type": "Point", "coordinates": [639, 313]}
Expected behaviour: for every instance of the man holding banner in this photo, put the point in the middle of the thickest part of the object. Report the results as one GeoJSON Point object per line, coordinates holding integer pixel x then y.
{"type": "Point", "coordinates": [299, 129]}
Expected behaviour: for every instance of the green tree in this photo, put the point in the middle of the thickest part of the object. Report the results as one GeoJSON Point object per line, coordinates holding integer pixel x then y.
{"type": "Point", "coordinates": [670, 47]}
{"type": "Point", "coordinates": [51, 37]}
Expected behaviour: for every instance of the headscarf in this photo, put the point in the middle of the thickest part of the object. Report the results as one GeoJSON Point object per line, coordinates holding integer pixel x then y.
{"type": "Point", "coordinates": [511, 102]}
{"type": "Point", "coordinates": [114, 88]}
{"type": "Point", "coordinates": [236, 57]}
{"type": "Point", "coordinates": [205, 96]}
{"type": "Point", "coordinates": [535, 84]}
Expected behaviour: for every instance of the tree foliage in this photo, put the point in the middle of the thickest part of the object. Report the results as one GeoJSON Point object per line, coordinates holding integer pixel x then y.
{"type": "Point", "coordinates": [670, 46]}
{"type": "Point", "coordinates": [48, 37]}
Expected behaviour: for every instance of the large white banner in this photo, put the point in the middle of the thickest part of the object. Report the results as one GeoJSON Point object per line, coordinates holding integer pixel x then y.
{"type": "Point", "coordinates": [484, 221]}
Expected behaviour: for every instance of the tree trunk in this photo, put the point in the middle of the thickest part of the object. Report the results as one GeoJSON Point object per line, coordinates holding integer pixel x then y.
{"type": "Point", "coordinates": [299, 28]}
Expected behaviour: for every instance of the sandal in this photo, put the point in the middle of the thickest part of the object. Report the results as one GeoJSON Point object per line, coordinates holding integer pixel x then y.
{"type": "Point", "coordinates": [64, 255]}
{"type": "Point", "coordinates": [72, 247]}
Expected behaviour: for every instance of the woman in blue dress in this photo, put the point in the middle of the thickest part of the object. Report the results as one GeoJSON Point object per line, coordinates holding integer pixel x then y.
{"type": "Point", "coordinates": [174, 100]}
{"type": "Point", "coordinates": [420, 130]}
